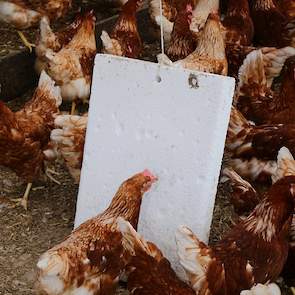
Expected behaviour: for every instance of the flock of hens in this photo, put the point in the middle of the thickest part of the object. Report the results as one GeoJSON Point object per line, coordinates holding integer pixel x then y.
{"type": "Point", "coordinates": [253, 41]}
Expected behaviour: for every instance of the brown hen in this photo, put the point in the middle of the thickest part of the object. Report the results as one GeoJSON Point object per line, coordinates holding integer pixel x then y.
{"type": "Point", "coordinates": [209, 56]}
{"type": "Point", "coordinates": [69, 138]}
{"type": "Point", "coordinates": [269, 22]}
{"type": "Point", "coordinates": [247, 140]}
{"type": "Point", "coordinates": [24, 135]}
{"type": "Point", "coordinates": [238, 30]}
{"type": "Point", "coordinates": [182, 41]}
{"type": "Point", "coordinates": [47, 39]}
{"type": "Point", "coordinates": [23, 14]}
{"type": "Point", "coordinates": [92, 258]}
{"type": "Point", "coordinates": [124, 39]}
{"type": "Point", "coordinates": [149, 271]}
{"type": "Point", "coordinates": [71, 67]}
{"type": "Point", "coordinates": [253, 251]}
{"type": "Point", "coordinates": [243, 196]}
{"type": "Point", "coordinates": [255, 98]}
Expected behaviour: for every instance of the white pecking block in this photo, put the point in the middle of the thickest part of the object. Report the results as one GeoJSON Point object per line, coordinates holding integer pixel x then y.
{"type": "Point", "coordinates": [170, 127]}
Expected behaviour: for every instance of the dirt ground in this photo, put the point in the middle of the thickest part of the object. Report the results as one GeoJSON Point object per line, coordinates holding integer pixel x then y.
{"type": "Point", "coordinates": [24, 235]}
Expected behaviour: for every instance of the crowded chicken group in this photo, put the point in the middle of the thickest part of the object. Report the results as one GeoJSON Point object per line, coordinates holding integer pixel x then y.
{"type": "Point", "coordinates": [250, 40]}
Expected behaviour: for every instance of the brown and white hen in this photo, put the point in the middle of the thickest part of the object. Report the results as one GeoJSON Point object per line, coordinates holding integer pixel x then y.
{"type": "Point", "coordinates": [253, 251]}
{"type": "Point", "coordinates": [92, 258]}
{"type": "Point", "coordinates": [124, 39]}
{"type": "Point", "coordinates": [71, 67]}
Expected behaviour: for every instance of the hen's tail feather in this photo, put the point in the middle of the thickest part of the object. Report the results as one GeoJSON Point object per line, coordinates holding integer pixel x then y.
{"type": "Point", "coordinates": [274, 60]}
{"type": "Point", "coordinates": [238, 129]}
{"type": "Point", "coordinates": [253, 168]}
{"type": "Point", "coordinates": [47, 85]}
{"type": "Point", "coordinates": [252, 75]}
{"type": "Point", "coordinates": [69, 137]}
{"type": "Point", "coordinates": [285, 165]}
{"type": "Point", "coordinates": [195, 257]}
{"type": "Point", "coordinates": [228, 174]}
{"type": "Point", "coordinates": [51, 271]}
{"type": "Point", "coordinates": [106, 40]}
{"type": "Point", "coordinates": [133, 241]}
{"type": "Point", "coordinates": [259, 289]}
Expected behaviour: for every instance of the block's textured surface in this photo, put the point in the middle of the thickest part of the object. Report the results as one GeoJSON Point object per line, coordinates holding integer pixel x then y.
{"type": "Point", "coordinates": [175, 127]}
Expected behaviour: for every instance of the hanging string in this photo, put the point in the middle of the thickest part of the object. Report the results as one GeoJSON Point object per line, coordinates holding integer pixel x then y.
{"type": "Point", "coordinates": [162, 28]}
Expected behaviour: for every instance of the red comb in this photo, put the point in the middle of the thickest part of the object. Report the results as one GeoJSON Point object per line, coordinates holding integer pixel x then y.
{"type": "Point", "coordinates": [147, 173]}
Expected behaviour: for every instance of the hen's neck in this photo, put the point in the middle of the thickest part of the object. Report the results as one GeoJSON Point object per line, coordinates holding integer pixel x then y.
{"type": "Point", "coordinates": [127, 23]}
{"type": "Point", "coordinates": [269, 218]}
{"type": "Point", "coordinates": [125, 208]}
{"type": "Point", "coordinates": [211, 43]}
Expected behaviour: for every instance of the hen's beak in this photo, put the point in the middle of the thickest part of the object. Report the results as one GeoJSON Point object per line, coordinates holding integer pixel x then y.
{"type": "Point", "coordinates": [152, 179]}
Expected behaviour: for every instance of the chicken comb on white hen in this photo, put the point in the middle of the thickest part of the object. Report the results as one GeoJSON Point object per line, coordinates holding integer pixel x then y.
{"type": "Point", "coordinates": [69, 137]}
{"type": "Point", "coordinates": [260, 289]}
{"type": "Point", "coordinates": [201, 12]}
{"type": "Point", "coordinates": [285, 165]}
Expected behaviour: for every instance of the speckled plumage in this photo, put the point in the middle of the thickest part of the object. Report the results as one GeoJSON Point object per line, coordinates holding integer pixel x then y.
{"type": "Point", "coordinates": [253, 251]}
{"type": "Point", "coordinates": [25, 134]}
{"type": "Point", "coordinates": [92, 258]}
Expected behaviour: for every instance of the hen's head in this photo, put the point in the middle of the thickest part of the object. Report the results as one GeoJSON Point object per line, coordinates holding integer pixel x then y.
{"type": "Point", "coordinates": [127, 200]}
{"type": "Point", "coordinates": [88, 20]}
{"type": "Point", "coordinates": [140, 182]}
{"type": "Point", "coordinates": [285, 186]}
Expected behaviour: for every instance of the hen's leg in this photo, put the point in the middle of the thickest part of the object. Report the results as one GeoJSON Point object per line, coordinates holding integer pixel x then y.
{"type": "Point", "coordinates": [73, 108]}
{"type": "Point", "coordinates": [293, 290]}
{"type": "Point", "coordinates": [24, 200]}
{"type": "Point", "coordinates": [26, 42]}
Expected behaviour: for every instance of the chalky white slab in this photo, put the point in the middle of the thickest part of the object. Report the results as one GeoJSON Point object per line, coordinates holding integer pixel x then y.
{"type": "Point", "coordinates": [175, 130]}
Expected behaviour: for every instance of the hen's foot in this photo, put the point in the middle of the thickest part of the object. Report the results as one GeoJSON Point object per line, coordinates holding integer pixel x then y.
{"type": "Point", "coordinates": [26, 42]}
{"type": "Point", "coordinates": [24, 200]}
{"type": "Point", "coordinates": [49, 172]}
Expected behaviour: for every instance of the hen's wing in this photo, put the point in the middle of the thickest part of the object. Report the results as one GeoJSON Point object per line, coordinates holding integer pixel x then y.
{"type": "Point", "coordinates": [36, 118]}
{"type": "Point", "coordinates": [254, 169]}
{"type": "Point", "coordinates": [150, 271]}
{"type": "Point", "coordinates": [274, 60]}
{"type": "Point", "coordinates": [69, 136]}
{"type": "Point", "coordinates": [252, 78]}
{"type": "Point", "coordinates": [204, 270]}
{"type": "Point", "coordinates": [25, 134]}
{"type": "Point", "coordinates": [88, 262]}
{"type": "Point", "coordinates": [244, 197]}
{"type": "Point", "coordinates": [71, 67]}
